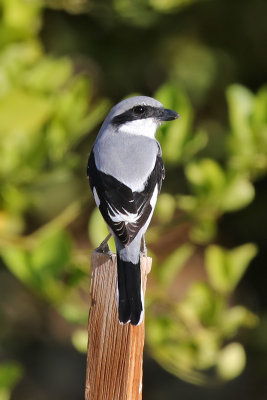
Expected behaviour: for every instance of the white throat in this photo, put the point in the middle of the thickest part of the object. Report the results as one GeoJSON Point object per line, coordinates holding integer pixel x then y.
{"type": "Point", "coordinates": [145, 127]}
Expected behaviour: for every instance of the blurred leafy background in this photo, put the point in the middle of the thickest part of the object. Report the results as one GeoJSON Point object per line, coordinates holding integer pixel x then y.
{"type": "Point", "coordinates": [63, 63]}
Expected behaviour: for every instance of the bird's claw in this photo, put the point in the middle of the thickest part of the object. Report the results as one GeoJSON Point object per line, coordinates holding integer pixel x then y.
{"type": "Point", "coordinates": [143, 253]}
{"type": "Point", "coordinates": [103, 248]}
{"type": "Point", "coordinates": [143, 250]}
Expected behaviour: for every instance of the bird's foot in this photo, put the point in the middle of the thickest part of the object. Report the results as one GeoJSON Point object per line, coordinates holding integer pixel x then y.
{"type": "Point", "coordinates": [143, 249]}
{"type": "Point", "coordinates": [103, 247]}
{"type": "Point", "coordinates": [143, 254]}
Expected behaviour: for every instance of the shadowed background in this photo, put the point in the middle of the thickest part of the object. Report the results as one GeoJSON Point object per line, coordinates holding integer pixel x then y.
{"type": "Point", "coordinates": [63, 64]}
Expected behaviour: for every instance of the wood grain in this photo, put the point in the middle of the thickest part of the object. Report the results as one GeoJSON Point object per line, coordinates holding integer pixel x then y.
{"type": "Point", "coordinates": [115, 352]}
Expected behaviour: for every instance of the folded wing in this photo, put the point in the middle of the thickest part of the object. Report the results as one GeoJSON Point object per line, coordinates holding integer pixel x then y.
{"type": "Point", "coordinates": [124, 211]}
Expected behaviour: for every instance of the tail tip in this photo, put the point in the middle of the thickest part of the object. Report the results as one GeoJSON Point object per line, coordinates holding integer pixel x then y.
{"type": "Point", "coordinates": [134, 320]}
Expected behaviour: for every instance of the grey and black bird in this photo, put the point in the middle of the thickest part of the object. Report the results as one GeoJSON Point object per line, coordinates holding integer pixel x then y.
{"type": "Point", "coordinates": [125, 171]}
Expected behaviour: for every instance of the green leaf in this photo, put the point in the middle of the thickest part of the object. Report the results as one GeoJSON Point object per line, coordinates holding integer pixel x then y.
{"type": "Point", "coordinates": [240, 101]}
{"type": "Point", "coordinates": [205, 175]}
{"type": "Point", "coordinates": [260, 108]}
{"type": "Point", "coordinates": [235, 318]}
{"type": "Point", "coordinates": [22, 16]}
{"type": "Point", "coordinates": [168, 5]}
{"type": "Point", "coordinates": [10, 224]}
{"type": "Point", "coordinates": [18, 261]}
{"type": "Point", "coordinates": [225, 268]}
{"type": "Point", "coordinates": [31, 110]}
{"type": "Point", "coordinates": [174, 263]}
{"type": "Point", "coordinates": [238, 261]}
{"type": "Point", "coordinates": [231, 361]}
{"type": "Point", "coordinates": [98, 230]}
{"type": "Point", "coordinates": [194, 145]}
{"type": "Point", "coordinates": [73, 312]}
{"type": "Point", "coordinates": [205, 228]}
{"type": "Point", "coordinates": [49, 74]}
{"type": "Point", "coordinates": [52, 254]}
{"type": "Point", "coordinates": [14, 199]}
{"type": "Point", "coordinates": [173, 136]}
{"type": "Point", "coordinates": [165, 207]}
{"type": "Point", "coordinates": [79, 340]}
{"type": "Point", "coordinates": [239, 192]}
{"type": "Point", "coordinates": [207, 343]}
{"type": "Point", "coordinates": [37, 267]}
{"type": "Point", "coordinates": [248, 139]}
{"type": "Point", "coordinates": [10, 374]}
{"type": "Point", "coordinates": [94, 117]}
{"type": "Point", "coordinates": [135, 12]}
{"type": "Point", "coordinates": [216, 268]}
{"type": "Point", "coordinates": [202, 305]}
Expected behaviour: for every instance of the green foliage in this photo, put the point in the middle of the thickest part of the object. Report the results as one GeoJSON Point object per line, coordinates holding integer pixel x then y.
{"type": "Point", "coordinates": [80, 339]}
{"type": "Point", "coordinates": [173, 264]}
{"type": "Point", "coordinates": [168, 5]}
{"type": "Point", "coordinates": [46, 110]}
{"type": "Point", "coordinates": [165, 207]}
{"type": "Point", "coordinates": [188, 337]}
{"type": "Point", "coordinates": [47, 114]}
{"type": "Point", "coordinates": [248, 139]}
{"type": "Point", "coordinates": [231, 361]}
{"type": "Point", "coordinates": [215, 191]}
{"type": "Point", "coordinates": [20, 20]}
{"type": "Point", "coordinates": [10, 374]}
{"type": "Point", "coordinates": [98, 230]}
{"type": "Point", "coordinates": [146, 12]}
{"type": "Point", "coordinates": [177, 139]}
{"type": "Point", "coordinates": [225, 268]}
{"type": "Point", "coordinates": [41, 265]}
{"type": "Point", "coordinates": [43, 116]}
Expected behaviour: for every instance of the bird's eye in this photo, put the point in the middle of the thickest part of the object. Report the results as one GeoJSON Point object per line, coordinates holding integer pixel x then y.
{"type": "Point", "coordinates": [139, 110]}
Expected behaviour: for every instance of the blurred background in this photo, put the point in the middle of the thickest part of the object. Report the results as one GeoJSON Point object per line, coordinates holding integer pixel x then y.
{"type": "Point", "coordinates": [63, 64]}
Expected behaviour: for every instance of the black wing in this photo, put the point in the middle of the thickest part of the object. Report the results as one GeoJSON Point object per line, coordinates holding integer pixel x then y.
{"type": "Point", "coordinates": [118, 201]}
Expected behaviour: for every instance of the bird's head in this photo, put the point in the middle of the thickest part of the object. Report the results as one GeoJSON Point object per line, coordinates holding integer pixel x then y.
{"type": "Point", "coordinates": [139, 115]}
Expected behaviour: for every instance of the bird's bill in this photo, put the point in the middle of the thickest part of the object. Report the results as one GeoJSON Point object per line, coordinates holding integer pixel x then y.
{"type": "Point", "coordinates": [168, 115]}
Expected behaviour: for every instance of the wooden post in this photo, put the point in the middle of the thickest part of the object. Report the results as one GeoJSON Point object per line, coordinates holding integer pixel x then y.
{"type": "Point", "coordinates": [115, 352]}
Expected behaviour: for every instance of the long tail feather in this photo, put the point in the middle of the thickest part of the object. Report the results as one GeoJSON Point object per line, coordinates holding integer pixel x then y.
{"type": "Point", "coordinates": [130, 296]}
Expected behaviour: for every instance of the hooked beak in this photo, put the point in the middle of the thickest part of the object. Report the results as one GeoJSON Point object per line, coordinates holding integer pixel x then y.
{"type": "Point", "coordinates": [167, 115]}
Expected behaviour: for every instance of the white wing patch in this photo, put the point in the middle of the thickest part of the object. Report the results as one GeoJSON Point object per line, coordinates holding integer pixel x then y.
{"type": "Point", "coordinates": [125, 217]}
{"type": "Point", "coordinates": [154, 197]}
{"type": "Point", "coordinates": [96, 197]}
{"type": "Point", "coordinates": [128, 217]}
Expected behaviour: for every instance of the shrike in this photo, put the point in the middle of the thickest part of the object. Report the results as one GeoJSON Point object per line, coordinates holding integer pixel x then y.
{"type": "Point", "coordinates": [125, 171]}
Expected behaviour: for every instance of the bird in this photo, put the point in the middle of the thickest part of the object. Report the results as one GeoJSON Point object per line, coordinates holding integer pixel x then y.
{"type": "Point", "coordinates": [125, 171]}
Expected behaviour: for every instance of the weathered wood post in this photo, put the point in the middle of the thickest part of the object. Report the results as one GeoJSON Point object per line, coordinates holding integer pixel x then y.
{"type": "Point", "coordinates": [115, 352]}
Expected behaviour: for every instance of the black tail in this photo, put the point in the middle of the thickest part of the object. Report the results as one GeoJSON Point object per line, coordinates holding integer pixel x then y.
{"type": "Point", "coordinates": [130, 303]}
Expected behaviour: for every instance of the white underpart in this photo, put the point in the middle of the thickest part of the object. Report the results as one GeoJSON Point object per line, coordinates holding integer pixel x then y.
{"type": "Point", "coordinates": [97, 201]}
{"type": "Point", "coordinates": [144, 127]}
